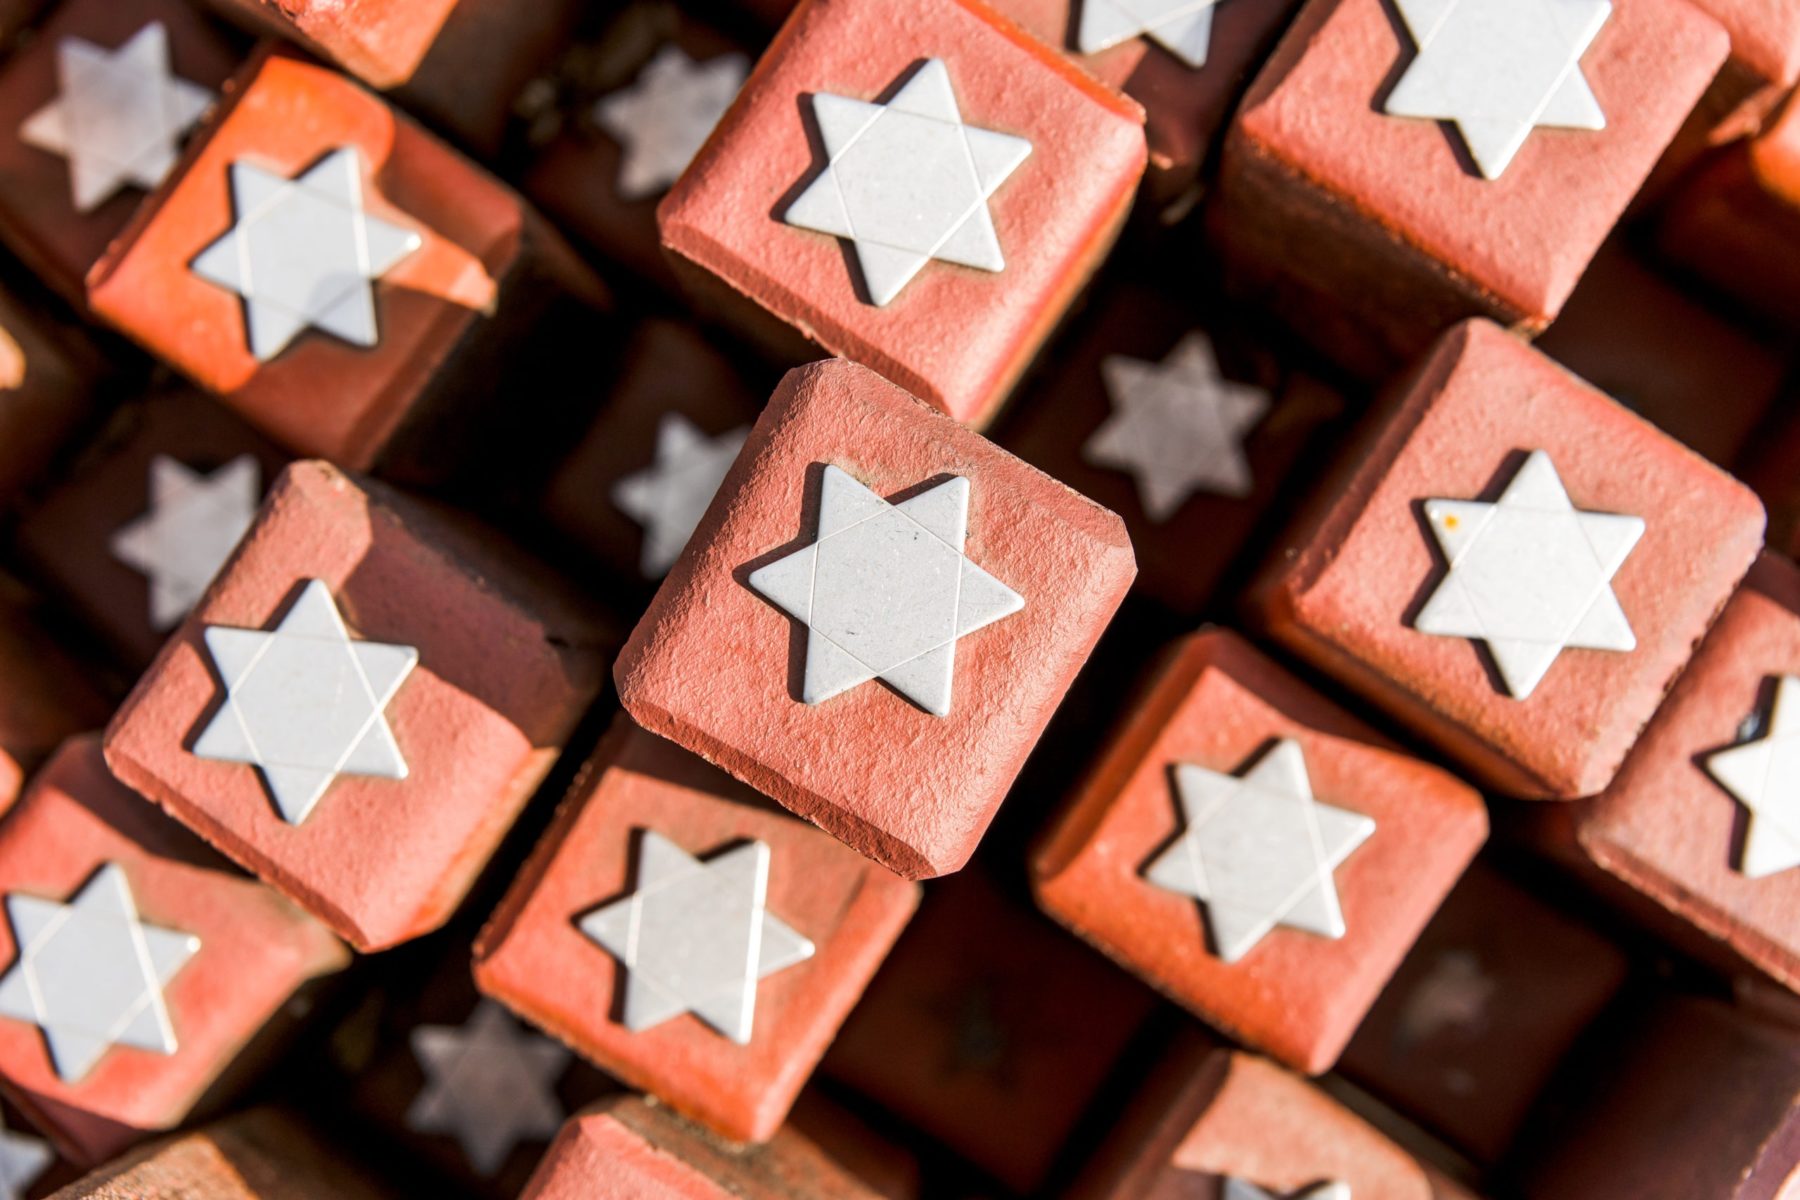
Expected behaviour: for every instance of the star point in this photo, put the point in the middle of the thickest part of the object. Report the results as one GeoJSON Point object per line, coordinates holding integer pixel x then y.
{"type": "Point", "coordinates": [489, 1083]}
{"type": "Point", "coordinates": [1243, 1189]}
{"type": "Point", "coordinates": [193, 524]}
{"type": "Point", "coordinates": [907, 181]}
{"type": "Point", "coordinates": [1498, 69]}
{"type": "Point", "coordinates": [305, 703]}
{"type": "Point", "coordinates": [666, 114]}
{"type": "Point", "coordinates": [1177, 426]}
{"type": "Point", "coordinates": [304, 253]}
{"type": "Point", "coordinates": [90, 973]}
{"type": "Point", "coordinates": [696, 937]}
{"type": "Point", "coordinates": [1182, 27]}
{"type": "Point", "coordinates": [1764, 776]}
{"type": "Point", "coordinates": [22, 1160]}
{"type": "Point", "coordinates": [1530, 575]}
{"type": "Point", "coordinates": [119, 115]}
{"type": "Point", "coordinates": [885, 591]}
{"type": "Point", "coordinates": [1258, 850]}
{"type": "Point", "coordinates": [669, 497]}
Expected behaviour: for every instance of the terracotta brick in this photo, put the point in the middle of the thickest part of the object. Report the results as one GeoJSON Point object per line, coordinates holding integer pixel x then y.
{"type": "Point", "coordinates": [535, 958]}
{"type": "Point", "coordinates": [1772, 467]}
{"type": "Point", "coordinates": [1371, 233]}
{"type": "Point", "coordinates": [1341, 588]}
{"type": "Point", "coordinates": [1216, 703]}
{"type": "Point", "coordinates": [709, 665]}
{"type": "Point", "coordinates": [38, 217]}
{"type": "Point", "coordinates": [507, 665]}
{"type": "Point", "coordinates": [490, 293]}
{"type": "Point", "coordinates": [956, 337]}
{"type": "Point", "coordinates": [255, 951]}
{"type": "Point", "coordinates": [963, 1035]}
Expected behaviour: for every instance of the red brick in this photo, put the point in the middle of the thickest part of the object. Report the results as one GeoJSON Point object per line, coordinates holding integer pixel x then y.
{"type": "Point", "coordinates": [507, 664]}
{"type": "Point", "coordinates": [534, 958]}
{"type": "Point", "coordinates": [1339, 588]}
{"type": "Point", "coordinates": [708, 666]}
{"type": "Point", "coordinates": [956, 337]}
{"type": "Point", "coordinates": [256, 950]}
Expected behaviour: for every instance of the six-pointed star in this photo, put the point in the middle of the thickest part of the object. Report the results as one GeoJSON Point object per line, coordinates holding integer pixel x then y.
{"type": "Point", "coordinates": [1499, 69]}
{"type": "Point", "coordinates": [696, 936]}
{"type": "Point", "coordinates": [1178, 426]}
{"type": "Point", "coordinates": [193, 524]}
{"type": "Point", "coordinates": [303, 702]}
{"type": "Point", "coordinates": [1243, 1189]}
{"type": "Point", "coordinates": [885, 591]}
{"type": "Point", "coordinates": [22, 1160]}
{"type": "Point", "coordinates": [669, 497]}
{"type": "Point", "coordinates": [907, 181]}
{"type": "Point", "coordinates": [1258, 850]}
{"type": "Point", "coordinates": [1182, 27]}
{"type": "Point", "coordinates": [489, 1083]}
{"type": "Point", "coordinates": [303, 252]}
{"type": "Point", "coordinates": [664, 117]}
{"type": "Point", "coordinates": [90, 974]}
{"type": "Point", "coordinates": [1764, 775]}
{"type": "Point", "coordinates": [118, 117]}
{"type": "Point", "coordinates": [1529, 575]}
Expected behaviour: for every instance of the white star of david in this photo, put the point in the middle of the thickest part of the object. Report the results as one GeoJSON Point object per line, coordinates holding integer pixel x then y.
{"type": "Point", "coordinates": [1178, 426]}
{"type": "Point", "coordinates": [1182, 27]}
{"type": "Point", "coordinates": [669, 497]}
{"type": "Point", "coordinates": [303, 253]}
{"type": "Point", "coordinates": [664, 117]}
{"type": "Point", "coordinates": [118, 117]}
{"type": "Point", "coordinates": [885, 591]}
{"type": "Point", "coordinates": [192, 527]}
{"type": "Point", "coordinates": [1764, 776]}
{"type": "Point", "coordinates": [1258, 850]}
{"type": "Point", "coordinates": [489, 1083]}
{"type": "Point", "coordinates": [696, 937]}
{"type": "Point", "coordinates": [1499, 69]}
{"type": "Point", "coordinates": [90, 974]}
{"type": "Point", "coordinates": [303, 702]}
{"type": "Point", "coordinates": [1242, 1189]}
{"type": "Point", "coordinates": [1529, 575]}
{"type": "Point", "coordinates": [907, 181]}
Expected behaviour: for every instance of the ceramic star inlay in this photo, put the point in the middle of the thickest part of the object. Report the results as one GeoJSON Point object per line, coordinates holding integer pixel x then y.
{"type": "Point", "coordinates": [1499, 69]}
{"type": "Point", "coordinates": [1243, 1189]}
{"type": "Point", "coordinates": [90, 974]}
{"type": "Point", "coordinates": [303, 253]}
{"type": "Point", "coordinates": [669, 497]}
{"type": "Point", "coordinates": [22, 1160]}
{"type": "Point", "coordinates": [885, 591]}
{"type": "Point", "coordinates": [1182, 27]}
{"type": "Point", "coordinates": [1530, 575]}
{"type": "Point", "coordinates": [1178, 426]}
{"type": "Point", "coordinates": [907, 181]}
{"type": "Point", "coordinates": [664, 117]}
{"type": "Point", "coordinates": [304, 702]}
{"type": "Point", "coordinates": [1764, 776]}
{"type": "Point", "coordinates": [489, 1083]}
{"type": "Point", "coordinates": [1258, 850]}
{"type": "Point", "coordinates": [193, 525]}
{"type": "Point", "coordinates": [696, 937]}
{"type": "Point", "coordinates": [118, 117]}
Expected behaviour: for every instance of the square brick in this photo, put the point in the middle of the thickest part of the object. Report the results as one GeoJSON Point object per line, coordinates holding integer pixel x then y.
{"type": "Point", "coordinates": [67, 539]}
{"type": "Point", "coordinates": [536, 958]}
{"type": "Point", "coordinates": [1219, 705]}
{"type": "Point", "coordinates": [490, 292]}
{"type": "Point", "coordinates": [1345, 588]}
{"type": "Point", "coordinates": [1373, 232]}
{"type": "Point", "coordinates": [255, 950]}
{"type": "Point", "coordinates": [506, 665]}
{"type": "Point", "coordinates": [39, 216]}
{"type": "Point", "coordinates": [1668, 828]}
{"type": "Point", "coordinates": [955, 336]}
{"type": "Point", "coordinates": [716, 667]}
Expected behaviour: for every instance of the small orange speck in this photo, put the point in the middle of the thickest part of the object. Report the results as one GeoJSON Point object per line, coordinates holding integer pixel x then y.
{"type": "Point", "coordinates": [1449, 522]}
